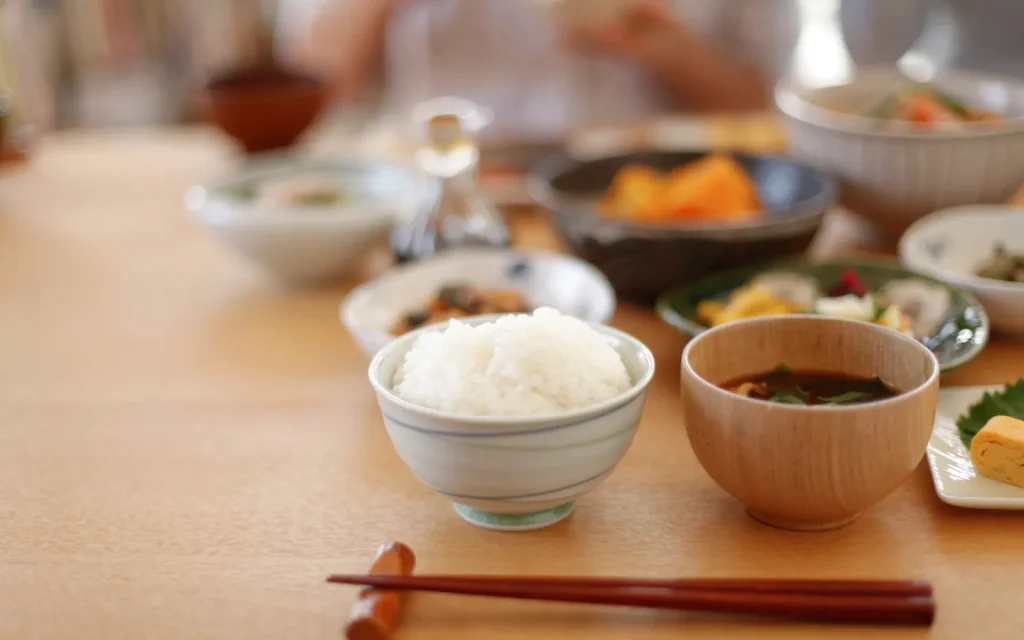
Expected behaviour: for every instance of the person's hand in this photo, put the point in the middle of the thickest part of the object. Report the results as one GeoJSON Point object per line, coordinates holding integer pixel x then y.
{"type": "Point", "coordinates": [646, 33]}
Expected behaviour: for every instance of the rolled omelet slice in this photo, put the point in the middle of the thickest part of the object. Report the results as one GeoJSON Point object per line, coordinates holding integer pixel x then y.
{"type": "Point", "coordinates": [998, 450]}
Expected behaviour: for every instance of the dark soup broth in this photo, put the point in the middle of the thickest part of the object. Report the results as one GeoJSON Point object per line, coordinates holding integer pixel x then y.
{"type": "Point", "coordinates": [810, 388]}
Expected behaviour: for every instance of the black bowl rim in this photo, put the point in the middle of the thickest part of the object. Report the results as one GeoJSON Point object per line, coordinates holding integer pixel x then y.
{"type": "Point", "coordinates": [805, 215]}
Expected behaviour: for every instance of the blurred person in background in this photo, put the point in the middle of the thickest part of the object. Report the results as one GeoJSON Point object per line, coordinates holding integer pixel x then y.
{"type": "Point", "coordinates": [538, 75]}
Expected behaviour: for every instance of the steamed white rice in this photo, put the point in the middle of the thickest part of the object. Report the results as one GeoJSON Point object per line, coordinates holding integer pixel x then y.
{"type": "Point", "coordinates": [517, 366]}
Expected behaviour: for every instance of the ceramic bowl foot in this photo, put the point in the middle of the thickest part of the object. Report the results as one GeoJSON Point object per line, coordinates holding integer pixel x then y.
{"type": "Point", "coordinates": [514, 521]}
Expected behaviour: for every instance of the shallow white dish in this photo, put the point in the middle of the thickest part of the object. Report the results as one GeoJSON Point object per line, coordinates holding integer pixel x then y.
{"type": "Point", "coordinates": [950, 244]}
{"type": "Point", "coordinates": [514, 474]}
{"type": "Point", "coordinates": [311, 244]}
{"type": "Point", "coordinates": [562, 282]}
{"type": "Point", "coordinates": [956, 480]}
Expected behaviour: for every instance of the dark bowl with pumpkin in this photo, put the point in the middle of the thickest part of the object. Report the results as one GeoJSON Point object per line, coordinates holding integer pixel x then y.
{"type": "Point", "coordinates": [263, 108]}
{"type": "Point", "coordinates": [644, 259]}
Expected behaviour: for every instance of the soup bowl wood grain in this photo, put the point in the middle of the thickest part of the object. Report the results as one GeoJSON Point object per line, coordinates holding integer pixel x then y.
{"type": "Point", "coordinates": [799, 467]}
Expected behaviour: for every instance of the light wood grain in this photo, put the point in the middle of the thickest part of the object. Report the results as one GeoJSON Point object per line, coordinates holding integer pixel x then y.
{"type": "Point", "coordinates": [186, 451]}
{"type": "Point", "coordinates": [808, 468]}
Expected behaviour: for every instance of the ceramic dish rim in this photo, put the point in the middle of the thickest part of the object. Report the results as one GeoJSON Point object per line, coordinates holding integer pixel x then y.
{"type": "Point", "coordinates": [690, 328]}
{"type": "Point", "coordinates": [936, 366]}
{"type": "Point", "coordinates": [805, 214]}
{"type": "Point", "coordinates": [364, 290]}
{"type": "Point", "coordinates": [932, 452]}
{"type": "Point", "coordinates": [959, 278]}
{"type": "Point", "coordinates": [522, 425]}
{"type": "Point", "coordinates": [792, 100]}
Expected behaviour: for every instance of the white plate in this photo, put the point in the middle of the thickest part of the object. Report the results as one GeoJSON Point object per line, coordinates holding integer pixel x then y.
{"type": "Point", "coordinates": [555, 280]}
{"type": "Point", "coordinates": [956, 480]}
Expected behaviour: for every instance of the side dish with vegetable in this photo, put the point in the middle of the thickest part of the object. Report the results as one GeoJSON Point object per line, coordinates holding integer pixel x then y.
{"type": "Point", "coordinates": [461, 301]}
{"type": "Point", "coordinates": [911, 306]}
{"type": "Point", "coordinates": [929, 107]}
{"type": "Point", "coordinates": [715, 188]}
{"type": "Point", "coordinates": [310, 191]}
{"type": "Point", "coordinates": [1002, 264]}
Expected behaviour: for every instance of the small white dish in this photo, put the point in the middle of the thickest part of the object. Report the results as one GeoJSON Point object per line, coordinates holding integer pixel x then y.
{"type": "Point", "coordinates": [308, 244]}
{"type": "Point", "coordinates": [562, 282]}
{"type": "Point", "coordinates": [950, 245]}
{"type": "Point", "coordinates": [956, 480]}
{"type": "Point", "coordinates": [514, 474]}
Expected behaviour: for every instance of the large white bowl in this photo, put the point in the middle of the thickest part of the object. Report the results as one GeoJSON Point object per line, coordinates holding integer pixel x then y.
{"type": "Point", "coordinates": [950, 245]}
{"type": "Point", "coordinates": [894, 175]}
{"type": "Point", "coordinates": [305, 244]}
{"type": "Point", "coordinates": [514, 474]}
{"type": "Point", "coordinates": [562, 282]}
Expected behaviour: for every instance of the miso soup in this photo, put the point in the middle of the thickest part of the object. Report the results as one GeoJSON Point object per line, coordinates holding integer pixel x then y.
{"type": "Point", "coordinates": [810, 388]}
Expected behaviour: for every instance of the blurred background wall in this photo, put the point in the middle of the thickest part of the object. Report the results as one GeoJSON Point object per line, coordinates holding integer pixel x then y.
{"type": "Point", "coordinates": [121, 62]}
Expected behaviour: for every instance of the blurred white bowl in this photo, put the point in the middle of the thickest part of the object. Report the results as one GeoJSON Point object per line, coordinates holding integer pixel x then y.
{"type": "Point", "coordinates": [562, 282]}
{"type": "Point", "coordinates": [893, 174]}
{"type": "Point", "coordinates": [950, 245]}
{"type": "Point", "coordinates": [309, 244]}
{"type": "Point", "coordinates": [514, 474]}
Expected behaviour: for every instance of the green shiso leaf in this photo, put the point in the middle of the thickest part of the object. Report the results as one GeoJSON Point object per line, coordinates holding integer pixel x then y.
{"type": "Point", "coordinates": [1008, 402]}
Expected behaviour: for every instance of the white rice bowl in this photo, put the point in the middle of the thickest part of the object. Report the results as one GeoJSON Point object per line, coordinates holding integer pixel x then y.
{"type": "Point", "coordinates": [517, 366]}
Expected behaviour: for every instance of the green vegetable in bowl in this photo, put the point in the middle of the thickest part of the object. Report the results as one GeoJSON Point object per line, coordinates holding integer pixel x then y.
{"type": "Point", "coordinates": [1008, 402]}
{"type": "Point", "coordinates": [241, 191]}
{"type": "Point", "coordinates": [324, 198]}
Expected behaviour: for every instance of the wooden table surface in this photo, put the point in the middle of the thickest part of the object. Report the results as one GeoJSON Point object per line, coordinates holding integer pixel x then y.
{"type": "Point", "coordinates": [187, 450]}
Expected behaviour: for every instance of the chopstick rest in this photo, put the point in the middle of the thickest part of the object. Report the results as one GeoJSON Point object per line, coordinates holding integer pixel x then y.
{"type": "Point", "coordinates": [375, 614]}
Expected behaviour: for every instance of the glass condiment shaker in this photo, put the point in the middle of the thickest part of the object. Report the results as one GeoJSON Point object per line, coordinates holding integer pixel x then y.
{"type": "Point", "coordinates": [447, 130]}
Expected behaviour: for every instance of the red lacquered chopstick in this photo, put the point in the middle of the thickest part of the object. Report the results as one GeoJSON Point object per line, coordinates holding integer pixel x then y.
{"type": "Point", "coordinates": [858, 604]}
{"type": "Point", "coordinates": [840, 587]}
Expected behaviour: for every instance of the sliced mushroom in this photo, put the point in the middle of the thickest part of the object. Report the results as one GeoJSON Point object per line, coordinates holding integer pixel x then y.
{"type": "Point", "coordinates": [799, 290]}
{"type": "Point", "coordinates": [925, 303]}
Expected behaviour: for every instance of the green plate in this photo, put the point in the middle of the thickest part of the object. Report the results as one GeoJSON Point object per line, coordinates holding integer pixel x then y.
{"type": "Point", "coordinates": [957, 341]}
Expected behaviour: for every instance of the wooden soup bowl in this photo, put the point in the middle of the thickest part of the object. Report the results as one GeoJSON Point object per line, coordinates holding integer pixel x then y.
{"type": "Point", "coordinates": [808, 468]}
{"type": "Point", "coordinates": [263, 108]}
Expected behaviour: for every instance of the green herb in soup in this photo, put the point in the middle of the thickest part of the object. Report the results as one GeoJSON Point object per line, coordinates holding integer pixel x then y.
{"type": "Point", "coordinates": [809, 388]}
